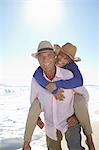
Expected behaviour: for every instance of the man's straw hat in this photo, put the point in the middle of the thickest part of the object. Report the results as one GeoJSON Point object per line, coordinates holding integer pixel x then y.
{"type": "Point", "coordinates": [69, 49]}
{"type": "Point", "coordinates": [44, 46]}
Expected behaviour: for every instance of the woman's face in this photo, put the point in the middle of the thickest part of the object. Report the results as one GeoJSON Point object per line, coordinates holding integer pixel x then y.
{"type": "Point", "coordinates": [62, 59]}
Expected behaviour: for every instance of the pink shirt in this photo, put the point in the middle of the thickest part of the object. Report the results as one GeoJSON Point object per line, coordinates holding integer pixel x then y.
{"type": "Point", "coordinates": [56, 112]}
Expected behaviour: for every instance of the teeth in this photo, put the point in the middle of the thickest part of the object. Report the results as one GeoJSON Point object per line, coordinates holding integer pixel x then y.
{"type": "Point", "coordinates": [59, 62]}
{"type": "Point", "coordinates": [47, 64]}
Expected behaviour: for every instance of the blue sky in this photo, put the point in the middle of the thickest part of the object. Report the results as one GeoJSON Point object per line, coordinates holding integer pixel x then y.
{"type": "Point", "coordinates": [24, 23]}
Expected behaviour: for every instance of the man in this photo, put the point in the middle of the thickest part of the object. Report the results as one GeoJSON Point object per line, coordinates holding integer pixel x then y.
{"type": "Point", "coordinates": [56, 113]}
{"type": "Point", "coordinates": [66, 59]}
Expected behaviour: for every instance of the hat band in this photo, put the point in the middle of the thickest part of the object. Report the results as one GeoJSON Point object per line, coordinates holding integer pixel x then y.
{"type": "Point", "coordinates": [72, 57]}
{"type": "Point", "coordinates": [42, 49]}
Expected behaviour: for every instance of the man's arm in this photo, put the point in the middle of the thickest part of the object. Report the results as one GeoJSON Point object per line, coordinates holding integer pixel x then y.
{"type": "Point", "coordinates": [34, 90]}
{"type": "Point", "coordinates": [40, 123]}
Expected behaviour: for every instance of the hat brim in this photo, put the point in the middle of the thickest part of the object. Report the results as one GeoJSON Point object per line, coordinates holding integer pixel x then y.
{"type": "Point", "coordinates": [60, 49]}
{"type": "Point", "coordinates": [43, 51]}
{"type": "Point", "coordinates": [34, 55]}
{"type": "Point", "coordinates": [76, 59]}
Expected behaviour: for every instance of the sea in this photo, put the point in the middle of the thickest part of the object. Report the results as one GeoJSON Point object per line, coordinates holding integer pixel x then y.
{"type": "Point", "coordinates": [14, 106]}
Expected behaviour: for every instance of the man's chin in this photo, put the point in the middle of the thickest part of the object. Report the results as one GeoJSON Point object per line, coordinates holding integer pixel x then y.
{"type": "Point", "coordinates": [47, 69]}
{"type": "Point", "coordinates": [59, 65]}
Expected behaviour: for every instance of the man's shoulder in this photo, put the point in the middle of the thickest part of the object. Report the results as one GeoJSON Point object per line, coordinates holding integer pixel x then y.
{"type": "Point", "coordinates": [66, 74]}
{"type": "Point", "coordinates": [35, 85]}
{"type": "Point", "coordinates": [34, 82]}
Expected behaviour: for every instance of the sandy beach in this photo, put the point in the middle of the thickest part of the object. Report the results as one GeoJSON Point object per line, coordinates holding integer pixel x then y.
{"type": "Point", "coordinates": [96, 134]}
{"type": "Point", "coordinates": [95, 127]}
{"type": "Point", "coordinates": [13, 118]}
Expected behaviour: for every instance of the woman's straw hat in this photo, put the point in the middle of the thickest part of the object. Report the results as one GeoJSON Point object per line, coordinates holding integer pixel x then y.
{"type": "Point", "coordinates": [69, 49]}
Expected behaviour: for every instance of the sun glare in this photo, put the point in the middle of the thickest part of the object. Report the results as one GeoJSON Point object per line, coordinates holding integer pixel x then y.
{"type": "Point", "coordinates": [42, 13]}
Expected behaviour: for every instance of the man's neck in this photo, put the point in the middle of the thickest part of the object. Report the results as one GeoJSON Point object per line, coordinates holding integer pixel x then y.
{"type": "Point", "coordinates": [50, 74]}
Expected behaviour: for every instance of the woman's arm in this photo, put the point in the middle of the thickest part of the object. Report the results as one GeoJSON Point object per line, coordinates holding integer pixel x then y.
{"type": "Point", "coordinates": [38, 75]}
{"type": "Point", "coordinates": [74, 82]}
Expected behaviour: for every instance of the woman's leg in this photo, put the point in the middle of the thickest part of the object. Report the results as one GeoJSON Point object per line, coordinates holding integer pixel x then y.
{"type": "Point", "coordinates": [82, 114]}
{"type": "Point", "coordinates": [32, 119]}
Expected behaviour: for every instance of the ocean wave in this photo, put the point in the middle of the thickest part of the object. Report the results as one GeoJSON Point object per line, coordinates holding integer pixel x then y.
{"type": "Point", "coordinates": [11, 143]}
{"type": "Point", "coordinates": [12, 90]}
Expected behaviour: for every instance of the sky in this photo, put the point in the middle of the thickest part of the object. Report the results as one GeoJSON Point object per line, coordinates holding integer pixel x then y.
{"type": "Point", "coordinates": [24, 23]}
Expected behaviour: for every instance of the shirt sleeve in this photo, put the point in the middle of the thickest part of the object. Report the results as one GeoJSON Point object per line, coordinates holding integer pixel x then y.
{"type": "Point", "coordinates": [34, 90]}
{"type": "Point", "coordinates": [83, 91]}
{"type": "Point", "coordinates": [74, 82]}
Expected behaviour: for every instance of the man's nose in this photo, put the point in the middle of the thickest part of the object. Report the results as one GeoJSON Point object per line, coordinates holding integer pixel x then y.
{"type": "Point", "coordinates": [46, 60]}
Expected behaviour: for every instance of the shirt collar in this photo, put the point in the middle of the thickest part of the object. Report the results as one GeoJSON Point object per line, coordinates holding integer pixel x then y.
{"type": "Point", "coordinates": [57, 75]}
{"type": "Point", "coordinates": [58, 72]}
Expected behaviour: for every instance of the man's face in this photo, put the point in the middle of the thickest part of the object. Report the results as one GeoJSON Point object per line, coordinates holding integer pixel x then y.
{"type": "Point", "coordinates": [47, 60]}
{"type": "Point", "coordinates": [62, 59]}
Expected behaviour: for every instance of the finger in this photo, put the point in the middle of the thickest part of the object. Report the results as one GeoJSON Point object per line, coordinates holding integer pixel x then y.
{"type": "Point", "coordinates": [61, 98]}
{"type": "Point", "coordinates": [61, 89]}
{"type": "Point", "coordinates": [61, 92]}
